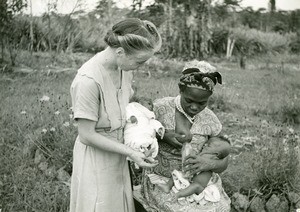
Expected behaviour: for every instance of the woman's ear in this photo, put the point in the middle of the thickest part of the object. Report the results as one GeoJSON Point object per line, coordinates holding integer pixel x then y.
{"type": "Point", "coordinates": [120, 52]}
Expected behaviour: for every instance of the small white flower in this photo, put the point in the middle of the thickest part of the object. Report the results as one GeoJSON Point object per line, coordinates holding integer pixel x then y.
{"type": "Point", "coordinates": [291, 130]}
{"type": "Point", "coordinates": [71, 116]}
{"type": "Point", "coordinates": [45, 98]}
{"type": "Point", "coordinates": [52, 129]}
{"type": "Point", "coordinates": [284, 140]}
{"type": "Point", "coordinates": [66, 124]}
{"type": "Point", "coordinates": [23, 112]}
{"type": "Point", "coordinates": [44, 130]}
{"type": "Point", "coordinates": [57, 113]}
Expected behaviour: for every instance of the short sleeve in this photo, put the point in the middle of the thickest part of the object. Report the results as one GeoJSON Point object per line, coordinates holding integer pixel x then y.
{"type": "Point", "coordinates": [85, 95]}
{"type": "Point", "coordinates": [164, 112]}
{"type": "Point", "coordinates": [207, 123]}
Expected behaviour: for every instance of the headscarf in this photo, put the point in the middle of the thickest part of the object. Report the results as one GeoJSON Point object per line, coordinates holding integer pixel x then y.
{"type": "Point", "coordinates": [201, 75]}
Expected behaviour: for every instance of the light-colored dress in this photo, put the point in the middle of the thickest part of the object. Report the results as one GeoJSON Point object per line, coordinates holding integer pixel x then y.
{"type": "Point", "coordinates": [100, 179]}
{"type": "Point", "coordinates": [205, 124]}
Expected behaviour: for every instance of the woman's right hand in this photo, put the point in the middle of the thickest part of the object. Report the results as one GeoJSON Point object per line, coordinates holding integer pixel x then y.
{"type": "Point", "coordinates": [171, 138]}
{"type": "Point", "coordinates": [140, 159]}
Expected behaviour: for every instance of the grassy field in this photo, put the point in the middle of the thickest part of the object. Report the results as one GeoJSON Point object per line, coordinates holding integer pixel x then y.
{"type": "Point", "coordinates": [259, 108]}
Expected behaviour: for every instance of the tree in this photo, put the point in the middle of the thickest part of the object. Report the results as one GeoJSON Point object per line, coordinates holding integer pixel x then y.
{"type": "Point", "coordinates": [7, 10]}
{"type": "Point", "coordinates": [104, 8]}
{"type": "Point", "coordinates": [272, 6]}
{"type": "Point", "coordinates": [190, 35]}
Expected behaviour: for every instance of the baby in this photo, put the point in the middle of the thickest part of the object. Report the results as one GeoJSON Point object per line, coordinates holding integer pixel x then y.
{"type": "Point", "coordinates": [141, 127]}
{"type": "Point", "coordinates": [215, 147]}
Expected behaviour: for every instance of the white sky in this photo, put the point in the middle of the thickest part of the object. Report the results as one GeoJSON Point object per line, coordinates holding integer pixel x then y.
{"type": "Point", "coordinates": [66, 6]}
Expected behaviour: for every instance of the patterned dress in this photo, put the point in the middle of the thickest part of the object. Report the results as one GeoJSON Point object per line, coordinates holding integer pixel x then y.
{"type": "Point", "coordinates": [205, 124]}
{"type": "Point", "coordinates": [100, 179]}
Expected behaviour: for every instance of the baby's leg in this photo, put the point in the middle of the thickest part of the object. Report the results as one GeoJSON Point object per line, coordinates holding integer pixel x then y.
{"type": "Point", "coordinates": [191, 189]}
{"type": "Point", "coordinates": [199, 183]}
{"type": "Point", "coordinates": [166, 187]}
{"type": "Point", "coordinates": [202, 179]}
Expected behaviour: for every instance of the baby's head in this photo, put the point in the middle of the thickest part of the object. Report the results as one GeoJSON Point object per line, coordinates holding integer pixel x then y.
{"type": "Point", "coordinates": [146, 102]}
{"type": "Point", "coordinates": [217, 145]}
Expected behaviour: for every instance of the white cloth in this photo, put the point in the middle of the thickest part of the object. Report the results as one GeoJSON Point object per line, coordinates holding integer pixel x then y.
{"type": "Point", "coordinates": [141, 136]}
{"type": "Point", "coordinates": [210, 193]}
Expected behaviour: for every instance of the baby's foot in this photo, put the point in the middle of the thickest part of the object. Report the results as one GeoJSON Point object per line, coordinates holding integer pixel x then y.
{"type": "Point", "coordinates": [164, 187]}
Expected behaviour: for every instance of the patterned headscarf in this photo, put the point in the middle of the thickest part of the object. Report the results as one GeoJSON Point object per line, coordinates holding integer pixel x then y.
{"type": "Point", "coordinates": [201, 75]}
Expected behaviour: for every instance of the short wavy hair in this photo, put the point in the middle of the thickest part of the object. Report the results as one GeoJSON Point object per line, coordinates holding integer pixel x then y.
{"type": "Point", "coordinates": [133, 35]}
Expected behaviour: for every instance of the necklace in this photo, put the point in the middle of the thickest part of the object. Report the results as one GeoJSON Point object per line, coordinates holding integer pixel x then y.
{"type": "Point", "coordinates": [180, 109]}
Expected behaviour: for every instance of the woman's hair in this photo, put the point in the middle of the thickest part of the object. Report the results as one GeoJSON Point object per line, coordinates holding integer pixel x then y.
{"type": "Point", "coordinates": [133, 34]}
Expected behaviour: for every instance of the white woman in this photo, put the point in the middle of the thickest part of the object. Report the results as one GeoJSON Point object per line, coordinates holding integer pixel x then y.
{"type": "Point", "coordinates": [100, 92]}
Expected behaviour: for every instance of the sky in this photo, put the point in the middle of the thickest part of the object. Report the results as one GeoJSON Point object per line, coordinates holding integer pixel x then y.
{"type": "Point", "coordinates": [67, 6]}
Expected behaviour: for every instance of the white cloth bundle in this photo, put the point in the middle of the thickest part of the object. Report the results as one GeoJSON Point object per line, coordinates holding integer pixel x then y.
{"type": "Point", "coordinates": [141, 135]}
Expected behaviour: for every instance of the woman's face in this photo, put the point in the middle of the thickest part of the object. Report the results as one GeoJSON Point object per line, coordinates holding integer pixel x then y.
{"type": "Point", "coordinates": [129, 62]}
{"type": "Point", "coordinates": [194, 100]}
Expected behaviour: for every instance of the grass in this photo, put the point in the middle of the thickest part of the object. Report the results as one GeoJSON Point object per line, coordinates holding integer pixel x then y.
{"type": "Point", "coordinates": [253, 104]}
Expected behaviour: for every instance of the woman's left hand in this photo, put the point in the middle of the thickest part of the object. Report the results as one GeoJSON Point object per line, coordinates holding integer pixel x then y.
{"type": "Point", "coordinates": [142, 160]}
{"type": "Point", "coordinates": [195, 164]}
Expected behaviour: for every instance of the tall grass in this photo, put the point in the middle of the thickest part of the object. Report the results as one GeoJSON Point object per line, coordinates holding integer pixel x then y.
{"type": "Point", "coordinates": [276, 162]}
{"type": "Point", "coordinates": [35, 117]}
{"type": "Point", "coordinates": [36, 121]}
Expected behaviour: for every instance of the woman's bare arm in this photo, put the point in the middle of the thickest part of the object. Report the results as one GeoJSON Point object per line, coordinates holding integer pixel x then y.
{"type": "Point", "coordinates": [90, 137]}
{"type": "Point", "coordinates": [196, 164]}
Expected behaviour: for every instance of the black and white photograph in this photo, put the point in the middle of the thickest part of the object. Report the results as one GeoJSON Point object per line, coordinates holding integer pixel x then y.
{"type": "Point", "coordinates": [150, 106]}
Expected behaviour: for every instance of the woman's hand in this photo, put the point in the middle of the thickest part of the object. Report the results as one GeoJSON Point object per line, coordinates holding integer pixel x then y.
{"type": "Point", "coordinates": [196, 164]}
{"type": "Point", "coordinates": [170, 138]}
{"type": "Point", "coordinates": [140, 159]}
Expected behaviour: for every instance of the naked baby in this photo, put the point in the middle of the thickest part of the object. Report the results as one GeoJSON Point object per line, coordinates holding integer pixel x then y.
{"type": "Point", "coordinates": [215, 147]}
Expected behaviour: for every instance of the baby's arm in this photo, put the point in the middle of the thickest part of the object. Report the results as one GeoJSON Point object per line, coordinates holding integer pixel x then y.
{"type": "Point", "coordinates": [199, 183]}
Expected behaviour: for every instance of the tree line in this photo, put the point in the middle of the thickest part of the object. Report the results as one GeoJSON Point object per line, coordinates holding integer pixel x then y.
{"type": "Point", "coordinates": [190, 28]}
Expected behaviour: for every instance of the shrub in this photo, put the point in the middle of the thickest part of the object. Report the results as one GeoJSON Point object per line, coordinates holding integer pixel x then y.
{"type": "Point", "coordinates": [290, 114]}
{"type": "Point", "coordinates": [276, 162]}
{"type": "Point", "coordinates": [250, 41]}
{"type": "Point", "coordinates": [253, 41]}
{"type": "Point", "coordinates": [295, 43]}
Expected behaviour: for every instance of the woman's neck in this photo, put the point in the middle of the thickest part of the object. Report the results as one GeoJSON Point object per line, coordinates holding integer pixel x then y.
{"type": "Point", "coordinates": [108, 59]}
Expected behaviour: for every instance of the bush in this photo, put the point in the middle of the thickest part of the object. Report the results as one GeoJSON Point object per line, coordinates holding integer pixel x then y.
{"type": "Point", "coordinates": [290, 114]}
{"type": "Point", "coordinates": [276, 162]}
{"type": "Point", "coordinates": [295, 43]}
{"type": "Point", "coordinates": [252, 41]}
